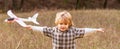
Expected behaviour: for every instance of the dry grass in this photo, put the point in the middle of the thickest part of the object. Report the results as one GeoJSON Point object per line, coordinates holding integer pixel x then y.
{"type": "Point", "coordinates": [13, 36]}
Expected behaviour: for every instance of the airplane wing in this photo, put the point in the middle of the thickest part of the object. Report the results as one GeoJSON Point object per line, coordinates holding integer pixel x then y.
{"type": "Point", "coordinates": [35, 16]}
{"type": "Point", "coordinates": [9, 12]}
{"type": "Point", "coordinates": [25, 20]}
{"type": "Point", "coordinates": [20, 22]}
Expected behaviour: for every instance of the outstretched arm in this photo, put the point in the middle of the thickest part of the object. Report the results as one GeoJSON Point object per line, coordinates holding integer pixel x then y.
{"type": "Point", "coordinates": [48, 31]}
{"type": "Point", "coordinates": [92, 30]}
{"type": "Point", "coordinates": [35, 28]}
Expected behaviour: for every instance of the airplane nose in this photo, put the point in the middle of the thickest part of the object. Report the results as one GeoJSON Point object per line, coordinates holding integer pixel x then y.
{"type": "Point", "coordinates": [10, 19]}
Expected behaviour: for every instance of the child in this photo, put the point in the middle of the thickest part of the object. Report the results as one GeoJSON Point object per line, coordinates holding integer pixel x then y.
{"type": "Point", "coordinates": [64, 34]}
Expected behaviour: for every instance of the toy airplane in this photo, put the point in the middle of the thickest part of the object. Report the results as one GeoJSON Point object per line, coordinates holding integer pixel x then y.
{"type": "Point", "coordinates": [30, 19]}
{"type": "Point", "coordinates": [18, 20]}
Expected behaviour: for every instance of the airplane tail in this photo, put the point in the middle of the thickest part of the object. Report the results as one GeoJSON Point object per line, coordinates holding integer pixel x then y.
{"type": "Point", "coordinates": [34, 18]}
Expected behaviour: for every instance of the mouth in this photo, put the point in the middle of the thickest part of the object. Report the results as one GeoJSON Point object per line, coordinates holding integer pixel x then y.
{"type": "Point", "coordinates": [62, 29]}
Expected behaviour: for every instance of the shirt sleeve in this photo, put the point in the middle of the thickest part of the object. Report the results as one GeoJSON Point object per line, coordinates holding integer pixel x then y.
{"type": "Point", "coordinates": [48, 31]}
{"type": "Point", "coordinates": [79, 32]}
{"type": "Point", "coordinates": [37, 28]}
{"type": "Point", "coordinates": [89, 30]}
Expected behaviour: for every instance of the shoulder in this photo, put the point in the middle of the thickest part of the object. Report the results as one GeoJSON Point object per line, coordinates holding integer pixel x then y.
{"type": "Point", "coordinates": [76, 29]}
{"type": "Point", "coordinates": [50, 28]}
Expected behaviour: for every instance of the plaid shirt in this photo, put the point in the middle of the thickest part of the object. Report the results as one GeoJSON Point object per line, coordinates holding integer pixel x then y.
{"type": "Point", "coordinates": [63, 40]}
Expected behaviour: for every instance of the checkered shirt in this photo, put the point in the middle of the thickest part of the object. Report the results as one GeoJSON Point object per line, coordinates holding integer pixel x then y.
{"type": "Point", "coordinates": [63, 40]}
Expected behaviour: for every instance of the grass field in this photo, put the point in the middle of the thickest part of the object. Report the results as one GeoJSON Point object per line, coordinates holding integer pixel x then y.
{"type": "Point", "coordinates": [13, 36]}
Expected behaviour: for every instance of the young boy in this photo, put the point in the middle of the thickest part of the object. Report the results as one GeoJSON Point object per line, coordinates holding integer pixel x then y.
{"type": "Point", "coordinates": [64, 34]}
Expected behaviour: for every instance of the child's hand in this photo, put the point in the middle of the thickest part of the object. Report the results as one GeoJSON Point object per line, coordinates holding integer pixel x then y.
{"type": "Point", "coordinates": [10, 21]}
{"type": "Point", "coordinates": [28, 27]}
{"type": "Point", "coordinates": [100, 29]}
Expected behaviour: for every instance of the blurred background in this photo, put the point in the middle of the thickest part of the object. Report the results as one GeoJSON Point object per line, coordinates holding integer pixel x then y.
{"type": "Point", "coordinates": [86, 13]}
{"type": "Point", "coordinates": [28, 5]}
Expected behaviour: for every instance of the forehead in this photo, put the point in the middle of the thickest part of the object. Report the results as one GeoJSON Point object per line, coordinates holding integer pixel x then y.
{"type": "Point", "coordinates": [63, 21]}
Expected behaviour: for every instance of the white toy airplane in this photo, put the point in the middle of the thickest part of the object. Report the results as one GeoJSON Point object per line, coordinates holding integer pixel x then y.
{"type": "Point", "coordinates": [18, 20]}
{"type": "Point", "coordinates": [30, 19]}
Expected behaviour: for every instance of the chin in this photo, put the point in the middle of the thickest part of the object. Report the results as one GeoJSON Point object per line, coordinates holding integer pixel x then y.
{"type": "Point", "coordinates": [63, 30]}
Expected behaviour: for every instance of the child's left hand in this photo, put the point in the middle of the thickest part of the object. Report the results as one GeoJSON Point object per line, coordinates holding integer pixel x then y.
{"type": "Point", "coordinates": [100, 29]}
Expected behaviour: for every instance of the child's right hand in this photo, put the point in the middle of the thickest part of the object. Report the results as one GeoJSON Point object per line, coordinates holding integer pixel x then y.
{"type": "Point", "coordinates": [28, 27]}
{"type": "Point", "coordinates": [10, 21]}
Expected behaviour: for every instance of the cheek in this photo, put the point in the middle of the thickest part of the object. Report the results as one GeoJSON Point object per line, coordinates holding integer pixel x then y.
{"type": "Point", "coordinates": [67, 27]}
{"type": "Point", "coordinates": [58, 26]}
{"type": "Point", "coordinates": [63, 26]}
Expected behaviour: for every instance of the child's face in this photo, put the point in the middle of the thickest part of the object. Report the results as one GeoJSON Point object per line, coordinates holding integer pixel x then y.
{"type": "Point", "coordinates": [63, 26]}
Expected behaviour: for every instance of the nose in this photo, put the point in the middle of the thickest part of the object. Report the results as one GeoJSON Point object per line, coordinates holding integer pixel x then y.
{"type": "Point", "coordinates": [63, 26]}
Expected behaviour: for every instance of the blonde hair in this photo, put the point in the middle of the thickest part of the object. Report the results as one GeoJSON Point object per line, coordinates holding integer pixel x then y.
{"type": "Point", "coordinates": [64, 17]}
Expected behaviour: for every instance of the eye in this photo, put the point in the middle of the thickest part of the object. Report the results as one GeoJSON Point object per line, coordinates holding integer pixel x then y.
{"type": "Point", "coordinates": [65, 23]}
{"type": "Point", "coordinates": [61, 23]}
